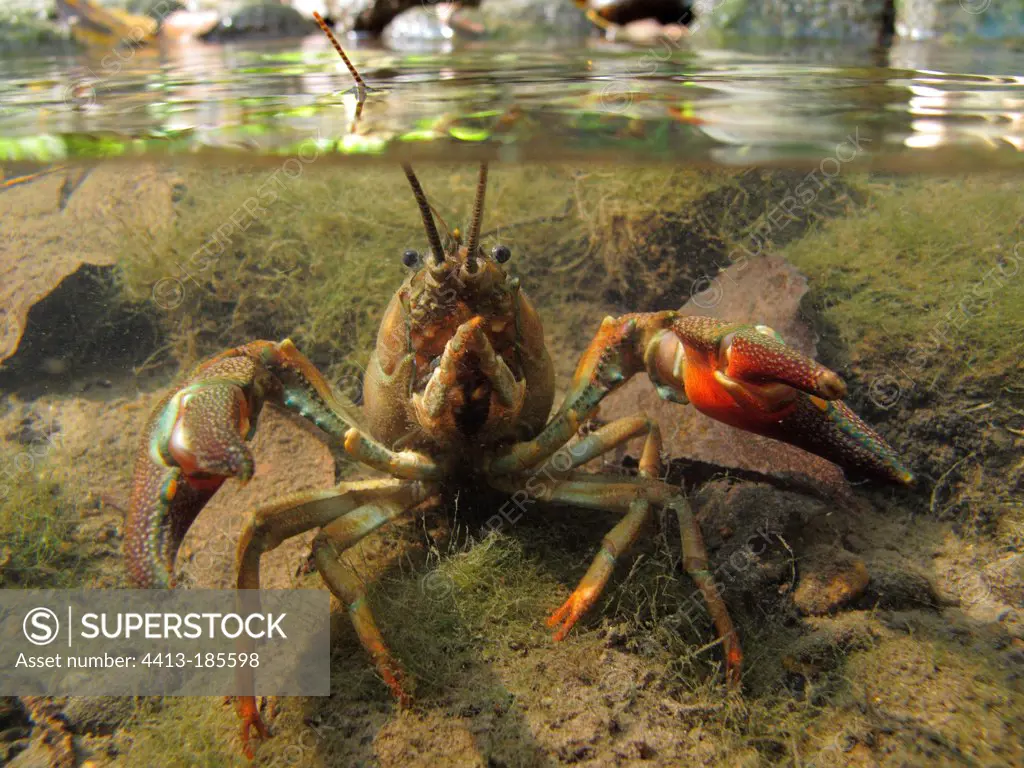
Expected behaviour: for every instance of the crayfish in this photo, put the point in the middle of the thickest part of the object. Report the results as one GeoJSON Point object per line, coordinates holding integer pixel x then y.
{"type": "Point", "coordinates": [459, 391]}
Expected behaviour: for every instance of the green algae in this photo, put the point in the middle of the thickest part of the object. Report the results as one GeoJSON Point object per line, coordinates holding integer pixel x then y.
{"type": "Point", "coordinates": [36, 521]}
{"type": "Point", "coordinates": [927, 277]}
{"type": "Point", "coordinates": [491, 589]}
{"type": "Point", "coordinates": [189, 731]}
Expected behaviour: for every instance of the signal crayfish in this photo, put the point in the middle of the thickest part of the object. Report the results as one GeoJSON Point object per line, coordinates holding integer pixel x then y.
{"type": "Point", "coordinates": [459, 391]}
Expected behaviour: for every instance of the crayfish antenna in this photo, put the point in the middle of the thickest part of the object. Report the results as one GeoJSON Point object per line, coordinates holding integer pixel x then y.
{"type": "Point", "coordinates": [478, 216]}
{"type": "Point", "coordinates": [361, 87]}
{"type": "Point", "coordinates": [425, 212]}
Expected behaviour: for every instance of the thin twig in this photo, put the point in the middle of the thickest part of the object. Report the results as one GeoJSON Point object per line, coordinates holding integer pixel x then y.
{"type": "Point", "coordinates": [941, 481]}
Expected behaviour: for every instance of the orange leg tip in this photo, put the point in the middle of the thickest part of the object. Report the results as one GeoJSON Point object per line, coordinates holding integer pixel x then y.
{"type": "Point", "coordinates": [403, 698]}
{"type": "Point", "coordinates": [250, 715]}
{"type": "Point", "coordinates": [569, 613]}
{"type": "Point", "coordinates": [261, 731]}
{"type": "Point", "coordinates": [558, 616]}
{"type": "Point", "coordinates": [733, 666]}
{"type": "Point", "coordinates": [560, 613]}
{"type": "Point", "coordinates": [393, 677]}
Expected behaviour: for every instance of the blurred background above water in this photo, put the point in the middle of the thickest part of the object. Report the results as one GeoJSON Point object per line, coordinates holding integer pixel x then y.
{"type": "Point", "coordinates": [718, 81]}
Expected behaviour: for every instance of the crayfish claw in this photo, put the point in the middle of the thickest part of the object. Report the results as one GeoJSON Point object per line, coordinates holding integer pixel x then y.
{"type": "Point", "coordinates": [208, 435]}
{"type": "Point", "coordinates": [746, 376]}
{"type": "Point", "coordinates": [194, 440]}
{"type": "Point", "coordinates": [749, 354]}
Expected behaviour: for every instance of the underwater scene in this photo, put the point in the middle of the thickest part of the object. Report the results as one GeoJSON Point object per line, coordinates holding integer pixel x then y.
{"type": "Point", "coordinates": [644, 386]}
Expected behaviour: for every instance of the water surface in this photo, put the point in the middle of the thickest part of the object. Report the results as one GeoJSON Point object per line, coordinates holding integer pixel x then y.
{"type": "Point", "coordinates": [913, 107]}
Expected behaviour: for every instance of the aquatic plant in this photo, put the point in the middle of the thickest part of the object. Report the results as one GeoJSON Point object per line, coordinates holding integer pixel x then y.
{"type": "Point", "coordinates": [928, 276]}
{"type": "Point", "coordinates": [36, 522]}
{"type": "Point", "coordinates": [316, 255]}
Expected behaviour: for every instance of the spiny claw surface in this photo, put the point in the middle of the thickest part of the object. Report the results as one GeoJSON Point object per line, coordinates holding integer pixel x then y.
{"type": "Point", "coordinates": [755, 355]}
{"type": "Point", "coordinates": [742, 375]}
{"type": "Point", "coordinates": [207, 438]}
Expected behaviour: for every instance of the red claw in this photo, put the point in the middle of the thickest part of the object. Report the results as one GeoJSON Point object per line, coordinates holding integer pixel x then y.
{"type": "Point", "coordinates": [745, 376]}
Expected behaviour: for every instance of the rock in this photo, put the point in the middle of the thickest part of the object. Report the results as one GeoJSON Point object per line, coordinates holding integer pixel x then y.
{"type": "Point", "coordinates": [261, 19]}
{"type": "Point", "coordinates": [898, 585]}
{"type": "Point", "coordinates": [64, 329]}
{"type": "Point", "coordinates": [97, 715]}
{"type": "Point", "coordinates": [345, 13]}
{"type": "Point", "coordinates": [862, 22]}
{"type": "Point", "coordinates": [830, 578]}
{"type": "Point", "coordinates": [867, 23]}
{"type": "Point", "coordinates": [430, 25]}
{"type": "Point", "coordinates": [54, 225]}
{"type": "Point", "coordinates": [959, 19]}
{"type": "Point", "coordinates": [827, 646]}
{"type": "Point", "coordinates": [535, 19]}
{"type": "Point", "coordinates": [752, 531]}
{"type": "Point", "coordinates": [417, 26]}
{"type": "Point", "coordinates": [418, 19]}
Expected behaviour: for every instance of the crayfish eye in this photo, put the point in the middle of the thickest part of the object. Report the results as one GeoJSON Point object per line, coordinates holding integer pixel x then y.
{"type": "Point", "coordinates": [501, 253]}
{"type": "Point", "coordinates": [411, 258]}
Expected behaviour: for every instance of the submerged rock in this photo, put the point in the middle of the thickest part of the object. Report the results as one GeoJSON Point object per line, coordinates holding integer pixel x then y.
{"type": "Point", "coordinates": [56, 224]}
{"type": "Point", "coordinates": [755, 533]}
{"type": "Point", "coordinates": [830, 578]}
{"type": "Point", "coordinates": [898, 584]}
